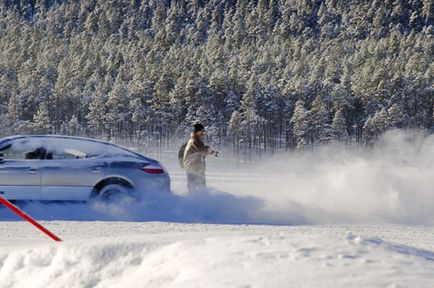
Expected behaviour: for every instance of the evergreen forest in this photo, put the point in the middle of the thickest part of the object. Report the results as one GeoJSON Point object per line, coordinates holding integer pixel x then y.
{"type": "Point", "coordinates": [262, 75]}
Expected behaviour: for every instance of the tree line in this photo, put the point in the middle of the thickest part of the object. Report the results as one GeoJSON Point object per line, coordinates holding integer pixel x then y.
{"type": "Point", "coordinates": [261, 75]}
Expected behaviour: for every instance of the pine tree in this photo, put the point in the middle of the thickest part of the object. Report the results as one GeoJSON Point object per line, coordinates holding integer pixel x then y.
{"type": "Point", "coordinates": [249, 117]}
{"type": "Point", "coordinates": [74, 126]}
{"type": "Point", "coordinates": [375, 126]}
{"type": "Point", "coordinates": [117, 115]}
{"type": "Point", "coordinates": [234, 132]}
{"type": "Point", "coordinates": [428, 10]}
{"type": "Point", "coordinates": [319, 123]}
{"type": "Point", "coordinates": [300, 125]}
{"type": "Point", "coordinates": [41, 120]}
{"type": "Point", "coordinates": [339, 128]}
{"type": "Point", "coordinates": [14, 108]}
{"type": "Point", "coordinates": [96, 114]}
{"type": "Point", "coordinates": [396, 117]}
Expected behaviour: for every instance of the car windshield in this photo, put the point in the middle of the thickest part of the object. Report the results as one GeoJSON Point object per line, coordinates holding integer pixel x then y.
{"type": "Point", "coordinates": [59, 148]}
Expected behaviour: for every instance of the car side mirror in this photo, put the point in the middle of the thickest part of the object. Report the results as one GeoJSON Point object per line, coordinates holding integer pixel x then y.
{"type": "Point", "coordinates": [2, 156]}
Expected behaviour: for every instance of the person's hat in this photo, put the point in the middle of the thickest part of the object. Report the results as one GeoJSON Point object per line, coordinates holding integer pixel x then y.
{"type": "Point", "coordinates": [197, 127]}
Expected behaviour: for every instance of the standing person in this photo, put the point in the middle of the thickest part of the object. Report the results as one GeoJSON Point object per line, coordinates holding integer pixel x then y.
{"type": "Point", "coordinates": [194, 159]}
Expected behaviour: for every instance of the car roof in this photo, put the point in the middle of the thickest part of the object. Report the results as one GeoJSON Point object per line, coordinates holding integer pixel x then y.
{"type": "Point", "coordinates": [15, 137]}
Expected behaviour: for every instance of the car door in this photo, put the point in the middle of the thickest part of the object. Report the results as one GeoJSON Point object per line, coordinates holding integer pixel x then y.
{"type": "Point", "coordinates": [69, 173]}
{"type": "Point", "coordinates": [20, 171]}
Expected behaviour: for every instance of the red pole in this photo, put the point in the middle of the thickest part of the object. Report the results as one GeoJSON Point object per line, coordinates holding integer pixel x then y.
{"type": "Point", "coordinates": [26, 217]}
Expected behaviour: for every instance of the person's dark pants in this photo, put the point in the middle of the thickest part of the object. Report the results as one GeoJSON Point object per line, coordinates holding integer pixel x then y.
{"type": "Point", "coordinates": [196, 181]}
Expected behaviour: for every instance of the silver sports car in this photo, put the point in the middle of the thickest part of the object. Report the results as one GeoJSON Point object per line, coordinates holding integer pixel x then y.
{"type": "Point", "coordinates": [75, 169]}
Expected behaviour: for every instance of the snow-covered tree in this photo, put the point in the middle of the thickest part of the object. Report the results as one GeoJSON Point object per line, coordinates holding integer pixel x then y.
{"type": "Point", "coordinates": [300, 123]}
{"type": "Point", "coordinates": [396, 117]}
{"type": "Point", "coordinates": [339, 128]}
{"type": "Point", "coordinates": [74, 126]}
{"type": "Point", "coordinates": [117, 114]}
{"type": "Point", "coordinates": [41, 121]}
{"type": "Point", "coordinates": [375, 125]}
{"type": "Point", "coordinates": [96, 115]}
{"type": "Point", "coordinates": [319, 122]}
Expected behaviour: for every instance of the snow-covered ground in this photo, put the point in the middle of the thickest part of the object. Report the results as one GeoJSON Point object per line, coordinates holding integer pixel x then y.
{"type": "Point", "coordinates": [158, 254]}
{"type": "Point", "coordinates": [335, 218]}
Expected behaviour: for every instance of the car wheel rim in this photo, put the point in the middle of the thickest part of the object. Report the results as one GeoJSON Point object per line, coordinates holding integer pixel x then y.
{"type": "Point", "coordinates": [110, 194]}
{"type": "Point", "coordinates": [113, 192]}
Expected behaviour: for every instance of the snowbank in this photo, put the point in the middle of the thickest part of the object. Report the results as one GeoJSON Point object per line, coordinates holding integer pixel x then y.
{"type": "Point", "coordinates": [261, 257]}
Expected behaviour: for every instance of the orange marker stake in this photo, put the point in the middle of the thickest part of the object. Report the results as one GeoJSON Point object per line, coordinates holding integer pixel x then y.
{"type": "Point", "coordinates": [26, 217]}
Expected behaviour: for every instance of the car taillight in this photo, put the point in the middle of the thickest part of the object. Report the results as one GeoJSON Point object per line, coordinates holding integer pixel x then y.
{"type": "Point", "coordinates": [153, 169]}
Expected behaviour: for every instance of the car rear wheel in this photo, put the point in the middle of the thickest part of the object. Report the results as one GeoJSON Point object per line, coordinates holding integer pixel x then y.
{"type": "Point", "coordinates": [114, 192]}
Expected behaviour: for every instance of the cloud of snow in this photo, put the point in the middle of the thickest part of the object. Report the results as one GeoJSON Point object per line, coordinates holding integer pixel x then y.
{"type": "Point", "coordinates": [391, 182]}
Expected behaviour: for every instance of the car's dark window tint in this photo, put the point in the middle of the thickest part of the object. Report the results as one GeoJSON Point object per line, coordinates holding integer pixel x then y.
{"type": "Point", "coordinates": [23, 149]}
{"type": "Point", "coordinates": [10, 154]}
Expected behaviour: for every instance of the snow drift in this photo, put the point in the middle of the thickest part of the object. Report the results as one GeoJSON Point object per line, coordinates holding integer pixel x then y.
{"type": "Point", "coordinates": [263, 258]}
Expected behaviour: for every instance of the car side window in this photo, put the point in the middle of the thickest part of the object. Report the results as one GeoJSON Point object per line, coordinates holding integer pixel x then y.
{"type": "Point", "coordinates": [69, 149]}
{"type": "Point", "coordinates": [10, 154]}
{"type": "Point", "coordinates": [15, 152]}
{"type": "Point", "coordinates": [65, 154]}
{"type": "Point", "coordinates": [38, 153]}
